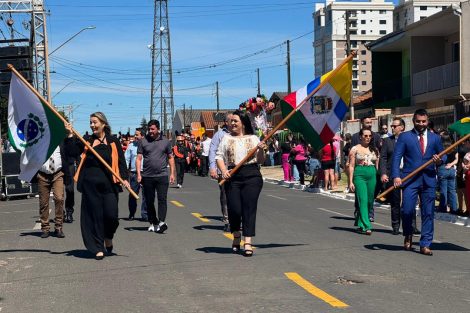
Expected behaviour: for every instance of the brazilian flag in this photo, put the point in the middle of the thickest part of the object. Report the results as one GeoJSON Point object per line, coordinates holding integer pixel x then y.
{"type": "Point", "coordinates": [461, 127]}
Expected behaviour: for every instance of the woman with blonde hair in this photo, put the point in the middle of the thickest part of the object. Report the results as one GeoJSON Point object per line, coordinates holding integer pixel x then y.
{"type": "Point", "coordinates": [99, 188]}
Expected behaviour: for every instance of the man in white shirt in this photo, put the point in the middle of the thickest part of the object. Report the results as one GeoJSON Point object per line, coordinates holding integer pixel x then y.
{"type": "Point", "coordinates": [205, 145]}
{"type": "Point", "coordinates": [50, 177]}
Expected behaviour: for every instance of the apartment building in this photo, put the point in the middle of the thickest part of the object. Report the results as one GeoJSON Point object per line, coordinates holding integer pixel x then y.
{"type": "Point", "coordinates": [368, 21]}
{"type": "Point", "coordinates": [410, 11]}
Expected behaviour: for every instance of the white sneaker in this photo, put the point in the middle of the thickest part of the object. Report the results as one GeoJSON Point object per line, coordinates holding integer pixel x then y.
{"type": "Point", "coordinates": [179, 186]}
{"type": "Point", "coordinates": [151, 228]}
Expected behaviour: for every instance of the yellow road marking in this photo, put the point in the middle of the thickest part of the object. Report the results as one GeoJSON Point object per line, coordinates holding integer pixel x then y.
{"type": "Point", "coordinates": [200, 217]}
{"type": "Point", "coordinates": [178, 204]}
{"type": "Point", "coordinates": [315, 291]}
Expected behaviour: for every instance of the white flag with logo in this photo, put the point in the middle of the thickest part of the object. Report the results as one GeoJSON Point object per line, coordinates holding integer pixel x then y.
{"type": "Point", "coordinates": [33, 128]}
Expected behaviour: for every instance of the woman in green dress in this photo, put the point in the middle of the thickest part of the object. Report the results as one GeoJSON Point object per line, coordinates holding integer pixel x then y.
{"type": "Point", "coordinates": [363, 164]}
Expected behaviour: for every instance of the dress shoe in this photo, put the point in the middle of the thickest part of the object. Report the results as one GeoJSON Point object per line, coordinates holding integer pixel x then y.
{"type": "Point", "coordinates": [395, 232]}
{"type": "Point", "coordinates": [68, 218]}
{"type": "Point", "coordinates": [59, 233]}
{"type": "Point", "coordinates": [45, 234]}
{"type": "Point", "coordinates": [408, 242]}
{"type": "Point", "coordinates": [425, 251]}
{"type": "Point", "coordinates": [371, 219]}
{"type": "Point", "coordinates": [130, 218]}
{"type": "Point", "coordinates": [109, 249]}
{"type": "Point", "coordinates": [416, 231]}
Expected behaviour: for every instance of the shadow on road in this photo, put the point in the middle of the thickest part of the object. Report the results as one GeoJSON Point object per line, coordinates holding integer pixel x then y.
{"type": "Point", "coordinates": [82, 254]}
{"type": "Point", "coordinates": [215, 218]}
{"type": "Point", "coordinates": [343, 218]}
{"type": "Point", "coordinates": [228, 250]}
{"type": "Point", "coordinates": [138, 228]}
{"type": "Point", "coordinates": [32, 233]}
{"type": "Point", "coordinates": [444, 246]}
{"type": "Point", "coordinates": [354, 230]}
{"type": "Point", "coordinates": [211, 227]}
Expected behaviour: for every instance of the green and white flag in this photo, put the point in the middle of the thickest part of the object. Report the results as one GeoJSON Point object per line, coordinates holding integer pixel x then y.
{"type": "Point", "coordinates": [33, 128]}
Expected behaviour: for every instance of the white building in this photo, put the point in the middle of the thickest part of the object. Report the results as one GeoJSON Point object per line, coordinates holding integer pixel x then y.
{"type": "Point", "coordinates": [410, 11]}
{"type": "Point", "coordinates": [368, 21]}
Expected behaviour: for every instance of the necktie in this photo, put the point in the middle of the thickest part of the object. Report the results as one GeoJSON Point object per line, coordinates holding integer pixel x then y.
{"type": "Point", "coordinates": [421, 143]}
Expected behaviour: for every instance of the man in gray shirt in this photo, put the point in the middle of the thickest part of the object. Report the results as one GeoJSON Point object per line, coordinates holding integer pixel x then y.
{"type": "Point", "coordinates": [155, 149]}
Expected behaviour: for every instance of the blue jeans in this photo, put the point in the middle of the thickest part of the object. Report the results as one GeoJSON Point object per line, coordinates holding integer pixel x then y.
{"type": "Point", "coordinates": [295, 172]}
{"type": "Point", "coordinates": [448, 194]}
{"type": "Point", "coordinates": [271, 158]}
{"type": "Point", "coordinates": [132, 201]}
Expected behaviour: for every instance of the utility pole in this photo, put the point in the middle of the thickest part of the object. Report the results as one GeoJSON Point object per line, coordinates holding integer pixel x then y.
{"type": "Point", "coordinates": [259, 85]}
{"type": "Point", "coordinates": [348, 52]}
{"type": "Point", "coordinates": [217, 94]}
{"type": "Point", "coordinates": [162, 76]}
{"type": "Point", "coordinates": [289, 89]}
{"type": "Point", "coordinates": [184, 115]}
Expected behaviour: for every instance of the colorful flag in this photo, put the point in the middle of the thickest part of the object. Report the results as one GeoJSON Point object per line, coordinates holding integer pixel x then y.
{"type": "Point", "coordinates": [461, 127]}
{"type": "Point", "coordinates": [319, 119]}
{"type": "Point", "coordinates": [33, 128]}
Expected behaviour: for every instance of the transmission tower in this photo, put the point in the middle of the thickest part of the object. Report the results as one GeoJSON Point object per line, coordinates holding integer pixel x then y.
{"type": "Point", "coordinates": [38, 38]}
{"type": "Point", "coordinates": [162, 79]}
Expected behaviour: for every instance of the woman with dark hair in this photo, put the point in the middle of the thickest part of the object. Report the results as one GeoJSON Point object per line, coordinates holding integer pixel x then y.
{"type": "Point", "coordinates": [244, 186]}
{"type": "Point", "coordinates": [446, 178]}
{"type": "Point", "coordinates": [328, 162]}
{"type": "Point", "coordinates": [363, 164]}
{"type": "Point", "coordinates": [300, 157]}
{"type": "Point", "coordinates": [99, 188]}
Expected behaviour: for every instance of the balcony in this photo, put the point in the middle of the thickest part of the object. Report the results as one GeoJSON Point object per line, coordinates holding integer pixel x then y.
{"type": "Point", "coordinates": [436, 78]}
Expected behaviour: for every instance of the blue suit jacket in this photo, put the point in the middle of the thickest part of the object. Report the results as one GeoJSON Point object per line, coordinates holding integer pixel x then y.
{"type": "Point", "coordinates": [407, 146]}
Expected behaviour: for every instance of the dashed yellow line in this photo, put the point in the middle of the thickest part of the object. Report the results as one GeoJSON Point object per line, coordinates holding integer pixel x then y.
{"type": "Point", "coordinates": [200, 217]}
{"type": "Point", "coordinates": [315, 291]}
{"type": "Point", "coordinates": [178, 204]}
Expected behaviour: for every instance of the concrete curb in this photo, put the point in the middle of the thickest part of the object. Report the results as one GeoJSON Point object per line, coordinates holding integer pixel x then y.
{"type": "Point", "coordinates": [445, 217]}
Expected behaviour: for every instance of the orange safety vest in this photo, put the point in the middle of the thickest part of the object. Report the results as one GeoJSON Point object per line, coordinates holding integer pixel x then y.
{"type": "Point", "coordinates": [177, 153]}
{"type": "Point", "coordinates": [114, 162]}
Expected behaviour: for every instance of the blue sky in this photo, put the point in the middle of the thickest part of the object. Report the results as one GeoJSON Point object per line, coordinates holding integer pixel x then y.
{"type": "Point", "coordinates": [108, 69]}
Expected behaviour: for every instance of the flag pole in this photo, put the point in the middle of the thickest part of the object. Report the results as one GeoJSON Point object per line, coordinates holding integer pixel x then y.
{"type": "Point", "coordinates": [419, 169]}
{"type": "Point", "coordinates": [288, 117]}
{"type": "Point", "coordinates": [11, 67]}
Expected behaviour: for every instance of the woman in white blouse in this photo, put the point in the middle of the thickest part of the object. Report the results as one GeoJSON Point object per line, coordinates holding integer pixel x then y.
{"type": "Point", "coordinates": [244, 186]}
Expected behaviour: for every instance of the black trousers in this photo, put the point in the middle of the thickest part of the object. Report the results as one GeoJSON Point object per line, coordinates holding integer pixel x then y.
{"type": "Point", "coordinates": [243, 190]}
{"type": "Point", "coordinates": [180, 165]}
{"type": "Point", "coordinates": [69, 191]}
{"type": "Point", "coordinates": [301, 168]}
{"type": "Point", "coordinates": [160, 185]}
{"type": "Point", "coordinates": [204, 165]}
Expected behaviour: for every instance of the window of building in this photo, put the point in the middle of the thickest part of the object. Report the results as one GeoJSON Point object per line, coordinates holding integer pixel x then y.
{"type": "Point", "coordinates": [363, 52]}
{"type": "Point", "coordinates": [353, 32]}
{"type": "Point", "coordinates": [382, 22]}
{"type": "Point", "coordinates": [354, 74]}
{"type": "Point", "coordinates": [354, 62]}
{"type": "Point", "coordinates": [354, 43]}
{"type": "Point", "coordinates": [363, 11]}
{"type": "Point", "coordinates": [363, 21]}
{"type": "Point", "coordinates": [354, 84]}
{"type": "Point", "coordinates": [363, 72]}
{"type": "Point", "coordinates": [318, 20]}
{"type": "Point", "coordinates": [329, 15]}
{"type": "Point", "coordinates": [423, 8]}
{"type": "Point", "coordinates": [364, 83]}
{"type": "Point", "coordinates": [363, 62]}
{"type": "Point", "coordinates": [382, 12]}
{"type": "Point", "coordinates": [363, 32]}
{"type": "Point", "coordinates": [444, 7]}
{"type": "Point", "coordinates": [455, 51]}
{"type": "Point", "coordinates": [382, 32]}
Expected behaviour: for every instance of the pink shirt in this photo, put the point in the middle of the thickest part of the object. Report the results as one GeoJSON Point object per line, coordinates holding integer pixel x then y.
{"type": "Point", "coordinates": [300, 153]}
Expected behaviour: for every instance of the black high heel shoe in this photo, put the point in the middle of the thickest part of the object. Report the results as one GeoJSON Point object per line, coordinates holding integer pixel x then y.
{"type": "Point", "coordinates": [109, 249]}
{"type": "Point", "coordinates": [236, 244]}
{"type": "Point", "coordinates": [248, 252]}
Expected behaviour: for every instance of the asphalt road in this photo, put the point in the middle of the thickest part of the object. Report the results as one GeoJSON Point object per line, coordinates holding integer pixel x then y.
{"type": "Point", "coordinates": [307, 259]}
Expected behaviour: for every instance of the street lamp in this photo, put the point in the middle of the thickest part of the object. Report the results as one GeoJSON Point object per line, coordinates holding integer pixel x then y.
{"type": "Point", "coordinates": [83, 29]}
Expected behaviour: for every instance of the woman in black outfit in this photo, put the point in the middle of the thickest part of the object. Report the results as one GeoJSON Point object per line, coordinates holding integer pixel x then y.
{"type": "Point", "coordinates": [99, 188]}
{"type": "Point", "coordinates": [243, 187]}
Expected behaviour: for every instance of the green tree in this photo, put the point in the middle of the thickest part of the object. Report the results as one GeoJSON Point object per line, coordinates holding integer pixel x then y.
{"type": "Point", "coordinates": [143, 124]}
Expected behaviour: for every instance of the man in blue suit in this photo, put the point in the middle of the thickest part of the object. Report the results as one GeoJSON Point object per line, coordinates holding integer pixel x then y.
{"type": "Point", "coordinates": [416, 147]}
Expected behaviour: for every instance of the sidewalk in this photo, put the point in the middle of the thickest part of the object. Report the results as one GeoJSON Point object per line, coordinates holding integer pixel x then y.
{"type": "Point", "coordinates": [275, 175]}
